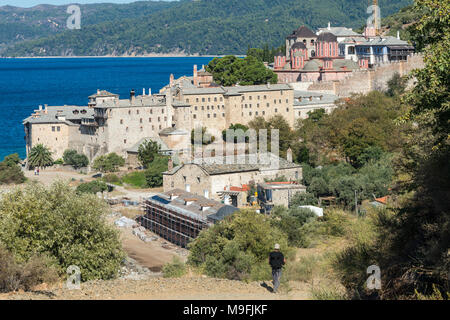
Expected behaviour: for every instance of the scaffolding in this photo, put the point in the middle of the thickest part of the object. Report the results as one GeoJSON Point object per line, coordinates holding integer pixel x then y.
{"type": "Point", "coordinates": [171, 223]}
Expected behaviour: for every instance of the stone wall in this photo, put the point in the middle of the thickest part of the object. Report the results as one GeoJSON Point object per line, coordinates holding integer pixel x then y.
{"type": "Point", "coordinates": [364, 81]}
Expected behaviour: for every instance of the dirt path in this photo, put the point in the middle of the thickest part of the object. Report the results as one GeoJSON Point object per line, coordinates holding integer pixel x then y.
{"type": "Point", "coordinates": [189, 288]}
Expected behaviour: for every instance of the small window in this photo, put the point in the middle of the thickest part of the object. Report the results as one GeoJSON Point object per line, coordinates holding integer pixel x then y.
{"type": "Point", "coordinates": [121, 121]}
{"type": "Point", "coordinates": [125, 141]}
{"type": "Point", "coordinates": [53, 129]}
{"type": "Point", "coordinates": [58, 129]}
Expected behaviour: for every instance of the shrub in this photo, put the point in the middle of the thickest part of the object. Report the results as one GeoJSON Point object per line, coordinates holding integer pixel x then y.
{"type": "Point", "coordinates": [175, 269]}
{"type": "Point", "coordinates": [68, 227]}
{"type": "Point", "coordinates": [11, 173]}
{"type": "Point", "coordinates": [291, 221]}
{"type": "Point", "coordinates": [237, 247]}
{"type": "Point", "coordinates": [59, 161]}
{"type": "Point", "coordinates": [108, 163]}
{"type": "Point", "coordinates": [73, 158]}
{"type": "Point", "coordinates": [328, 293]}
{"type": "Point", "coordinates": [112, 178]}
{"type": "Point", "coordinates": [15, 276]}
{"type": "Point", "coordinates": [303, 199]}
{"type": "Point", "coordinates": [92, 187]}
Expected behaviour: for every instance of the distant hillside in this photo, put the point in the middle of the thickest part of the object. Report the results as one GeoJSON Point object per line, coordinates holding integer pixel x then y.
{"type": "Point", "coordinates": [400, 21]}
{"type": "Point", "coordinates": [191, 27]}
{"type": "Point", "coordinates": [19, 24]}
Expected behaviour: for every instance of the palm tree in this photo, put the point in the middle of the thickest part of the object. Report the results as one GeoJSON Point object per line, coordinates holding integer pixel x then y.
{"type": "Point", "coordinates": [40, 156]}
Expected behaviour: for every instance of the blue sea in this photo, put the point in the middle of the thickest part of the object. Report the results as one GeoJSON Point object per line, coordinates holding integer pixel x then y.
{"type": "Point", "coordinates": [27, 83]}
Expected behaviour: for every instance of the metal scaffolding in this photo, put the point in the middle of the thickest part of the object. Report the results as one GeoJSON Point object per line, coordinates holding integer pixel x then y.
{"type": "Point", "coordinates": [171, 225]}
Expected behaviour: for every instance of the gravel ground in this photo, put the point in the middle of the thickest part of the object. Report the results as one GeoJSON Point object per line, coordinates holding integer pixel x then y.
{"type": "Point", "coordinates": [158, 288]}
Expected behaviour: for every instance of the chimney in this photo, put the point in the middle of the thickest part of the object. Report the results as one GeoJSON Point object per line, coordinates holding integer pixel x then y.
{"type": "Point", "coordinates": [206, 193]}
{"type": "Point", "coordinates": [398, 34]}
{"type": "Point", "coordinates": [171, 80]}
{"type": "Point", "coordinates": [329, 25]}
{"type": "Point", "coordinates": [268, 85]}
{"type": "Point", "coordinates": [170, 165]}
{"type": "Point", "coordinates": [143, 92]}
{"type": "Point", "coordinates": [149, 91]}
{"type": "Point", "coordinates": [132, 96]}
{"type": "Point", "coordinates": [289, 155]}
{"type": "Point", "coordinates": [98, 91]}
{"type": "Point", "coordinates": [195, 76]}
{"type": "Point", "coordinates": [45, 108]}
{"type": "Point", "coordinates": [40, 107]}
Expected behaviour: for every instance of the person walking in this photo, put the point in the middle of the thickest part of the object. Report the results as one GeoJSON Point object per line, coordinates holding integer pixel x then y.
{"type": "Point", "coordinates": [276, 261]}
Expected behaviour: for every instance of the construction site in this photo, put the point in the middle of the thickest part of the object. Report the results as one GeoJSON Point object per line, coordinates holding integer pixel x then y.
{"type": "Point", "coordinates": [178, 216]}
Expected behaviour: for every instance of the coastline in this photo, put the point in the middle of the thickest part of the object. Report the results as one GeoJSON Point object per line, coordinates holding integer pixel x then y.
{"type": "Point", "coordinates": [124, 56]}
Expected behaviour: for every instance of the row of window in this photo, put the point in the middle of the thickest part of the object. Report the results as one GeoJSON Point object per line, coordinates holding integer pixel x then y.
{"type": "Point", "coordinates": [208, 107]}
{"type": "Point", "coordinates": [58, 128]}
{"type": "Point", "coordinates": [150, 110]}
{"type": "Point", "coordinates": [149, 120]}
{"type": "Point", "coordinates": [204, 99]}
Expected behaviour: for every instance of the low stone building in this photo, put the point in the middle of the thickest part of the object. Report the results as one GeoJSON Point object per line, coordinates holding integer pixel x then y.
{"type": "Point", "coordinates": [179, 216]}
{"type": "Point", "coordinates": [272, 194]}
{"type": "Point", "coordinates": [308, 101]}
{"type": "Point", "coordinates": [211, 176]}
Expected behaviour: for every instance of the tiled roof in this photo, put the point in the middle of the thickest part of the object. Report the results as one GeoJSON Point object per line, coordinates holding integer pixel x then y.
{"type": "Point", "coordinates": [327, 37]}
{"type": "Point", "coordinates": [326, 98]}
{"type": "Point", "coordinates": [340, 31]}
{"type": "Point", "coordinates": [70, 113]}
{"type": "Point", "coordinates": [103, 93]}
{"type": "Point", "coordinates": [241, 163]}
{"type": "Point", "coordinates": [304, 32]}
{"type": "Point", "coordinates": [190, 204]}
{"type": "Point", "coordinates": [384, 41]}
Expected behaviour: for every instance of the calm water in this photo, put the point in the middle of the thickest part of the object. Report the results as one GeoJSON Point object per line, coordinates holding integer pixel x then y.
{"type": "Point", "coordinates": [27, 83]}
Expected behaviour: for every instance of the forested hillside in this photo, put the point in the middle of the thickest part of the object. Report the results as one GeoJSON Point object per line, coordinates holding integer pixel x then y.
{"type": "Point", "coordinates": [192, 27]}
{"type": "Point", "coordinates": [21, 24]}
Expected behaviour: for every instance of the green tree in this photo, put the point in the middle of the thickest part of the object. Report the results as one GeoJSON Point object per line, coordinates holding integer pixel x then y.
{"type": "Point", "coordinates": [154, 173]}
{"type": "Point", "coordinates": [237, 246]}
{"type": "Point", "coordinates": [92, 187]}
{"type": "Point", "coordinates": [12, 159]}
{"type": "Point", "coordinates": [396, 85]}
{"type": "Point", "coordinates": [40, 156]}
{"type": "Point", "coordinates": [68, 227]}
{"type": "Point", "coordinates": [73, 158]}
{"type": "Point", "coordinates": [10, 171]}
{"type": "Point", "coordinates": [231, 70]}
{"type": "Point", "coordinates": [290, 221]}
{"type": "Point", "coordinates": [147, 152]}
{"type": "Point", "coordinates": [108, 163]}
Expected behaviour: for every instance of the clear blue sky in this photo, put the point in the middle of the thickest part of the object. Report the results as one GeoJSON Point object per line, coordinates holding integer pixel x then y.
{"type": "Point", "coordinates": [31, 3]}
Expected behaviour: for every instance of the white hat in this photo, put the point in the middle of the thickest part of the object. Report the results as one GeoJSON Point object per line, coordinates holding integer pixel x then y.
{"type": "Point", "coordinates": [277, 246]}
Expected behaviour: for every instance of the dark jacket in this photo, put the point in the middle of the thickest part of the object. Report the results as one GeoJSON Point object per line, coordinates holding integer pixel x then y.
{"type": "Point", "coordinates": [276, 260]}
